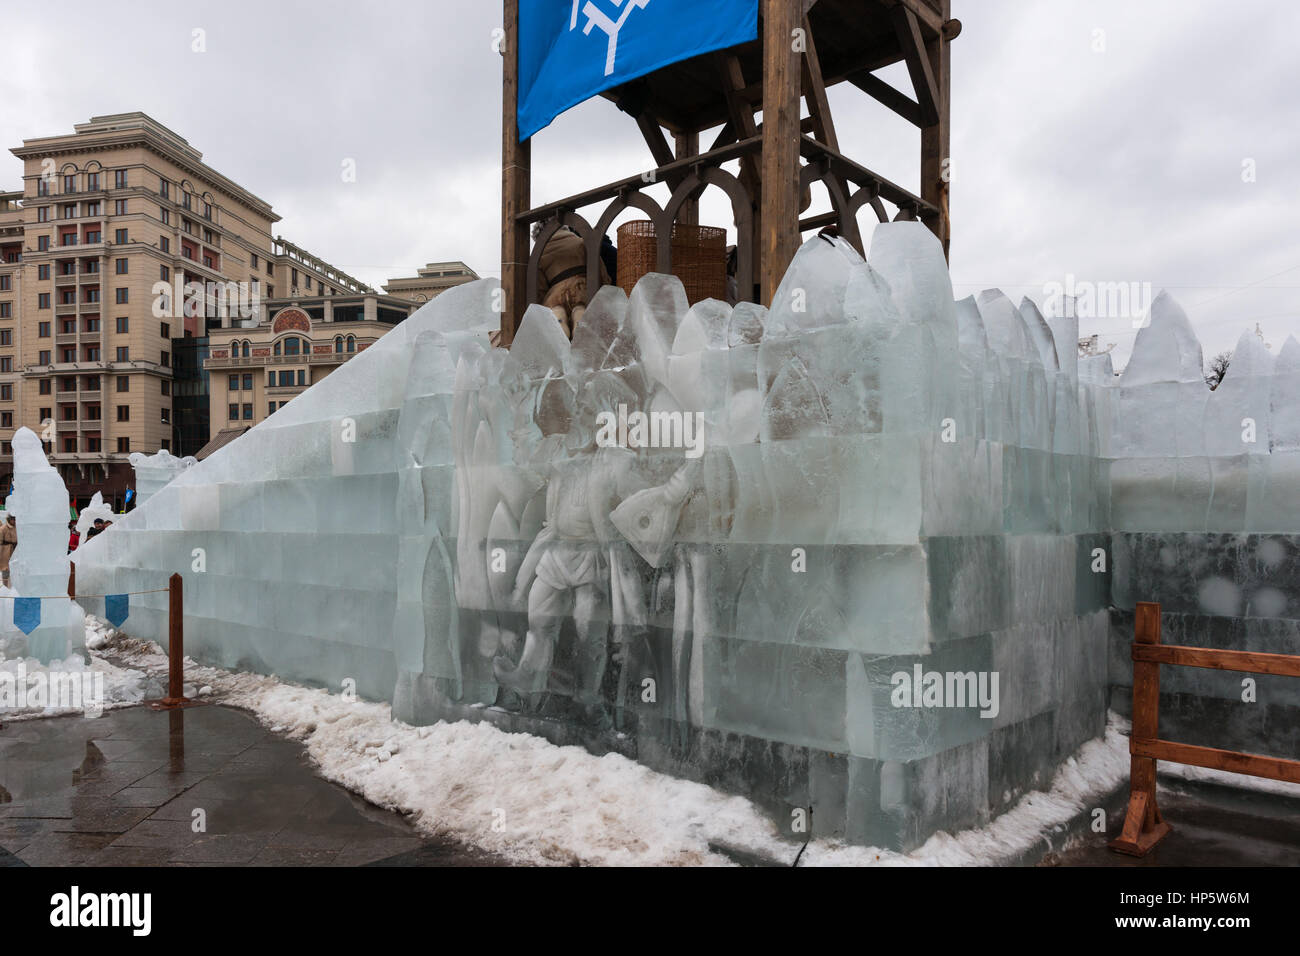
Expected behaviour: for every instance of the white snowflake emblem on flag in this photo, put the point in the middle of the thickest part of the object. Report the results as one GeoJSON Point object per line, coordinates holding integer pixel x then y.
{"type": "Point", "coordinates": [607, 24]}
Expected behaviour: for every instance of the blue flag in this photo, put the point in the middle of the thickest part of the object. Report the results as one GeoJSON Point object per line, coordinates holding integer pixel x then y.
{"type": "Point", "coordinates": [571, 50]}
{"type": "Point", "coordinates": [27, 614]}
{"type": "Point", "coordinates": [116, 608]}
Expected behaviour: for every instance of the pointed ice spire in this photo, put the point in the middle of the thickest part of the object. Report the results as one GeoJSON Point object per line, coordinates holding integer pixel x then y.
{"type": "Point", "coordinates": [1040, 334]}
{"type": "Point", "coordinates": [1005, 326]}
{"type": "Point", "coordinates": [1166, 349]}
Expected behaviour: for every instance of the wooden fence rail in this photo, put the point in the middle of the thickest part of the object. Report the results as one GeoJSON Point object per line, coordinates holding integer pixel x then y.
{"type": "Point", "coordinates": [1144, 826]}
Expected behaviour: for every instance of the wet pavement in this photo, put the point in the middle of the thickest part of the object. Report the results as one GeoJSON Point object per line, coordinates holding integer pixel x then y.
{"type": "Point", "coordinates": [205, 786]}
{"type": "Point", "coordinates": [1212, 826]}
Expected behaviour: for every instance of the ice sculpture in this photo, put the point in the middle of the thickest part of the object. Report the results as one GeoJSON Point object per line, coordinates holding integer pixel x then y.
{"type": "Point", "coordinates": [888, 480]}
{"type": "Point", "coordinates": [155, 471]}
{"type": "Point", "coordinates": [39, 566]}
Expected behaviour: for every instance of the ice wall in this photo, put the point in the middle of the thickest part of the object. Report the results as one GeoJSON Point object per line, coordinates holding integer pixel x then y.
{"type": "Point", "coordinates": [868, 479]}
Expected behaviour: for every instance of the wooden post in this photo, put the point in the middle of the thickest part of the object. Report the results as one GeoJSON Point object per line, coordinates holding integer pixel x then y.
{"type": "Point", "coordinates": [1144, 827]}
{"type": "Point", "coordinates": [516, 184]}
{"type": "Point", "coordinates": [688, 144]}
{"type": "Point", "coordinates": [175, 642]}
{"type": "Point", "coordinates": [779, 210]}
{"type": "Point", "coordinates": [936, 139]}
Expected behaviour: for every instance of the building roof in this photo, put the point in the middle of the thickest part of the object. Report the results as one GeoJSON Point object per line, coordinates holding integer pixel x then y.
{"type": "Point", "coordinates": [220, 440]}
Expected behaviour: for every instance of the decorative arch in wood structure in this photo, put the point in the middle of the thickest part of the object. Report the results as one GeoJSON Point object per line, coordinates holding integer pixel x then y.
{"type": "Point", "coordinates": [804, 47]}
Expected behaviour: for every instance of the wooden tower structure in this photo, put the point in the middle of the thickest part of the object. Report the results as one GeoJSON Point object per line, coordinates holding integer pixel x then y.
{"type": "Point", "coordinates": [803, 48]}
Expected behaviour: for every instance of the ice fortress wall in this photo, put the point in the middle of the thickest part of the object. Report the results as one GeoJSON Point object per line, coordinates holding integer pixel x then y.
{"type": "Point", "coordinates": [889, 479]}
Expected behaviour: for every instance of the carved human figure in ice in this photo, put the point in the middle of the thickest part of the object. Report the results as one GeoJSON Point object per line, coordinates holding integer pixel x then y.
{"type": "Point", "coordinates": [578, 566]}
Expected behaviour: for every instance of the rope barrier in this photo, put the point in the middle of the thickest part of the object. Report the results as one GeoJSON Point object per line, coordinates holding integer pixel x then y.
{"type": "Point", "coordinates": [45, 597]}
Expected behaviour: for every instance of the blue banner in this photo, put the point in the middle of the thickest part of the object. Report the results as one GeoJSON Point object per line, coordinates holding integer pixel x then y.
{"type": "Point", "coordinates": [571, 50]}
{"type": "Point", "coordinates": [27, 614]}
{"type": "Point", "coordinates": [116, 608]}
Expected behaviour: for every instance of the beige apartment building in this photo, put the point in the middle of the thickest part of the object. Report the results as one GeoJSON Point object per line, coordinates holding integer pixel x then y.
{"type": "Point", "coordinates": [99, 255]}
{"type": "Point", "coordinates": [256, 369]}
{"type": "Point", "coordinates": [427, 283]}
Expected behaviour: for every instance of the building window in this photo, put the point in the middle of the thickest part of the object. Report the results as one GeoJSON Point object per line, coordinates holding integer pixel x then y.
{"type": "Point", "coordinates": [92, 235]}
{"type": "Point", "coordinates": [43, 300]}
{"type": "Point", "coordinates": [92, 295]}
{"type": "Point", "coordinates": [253, 261]}
{"type": "Point", "coordinates": [233, 384]}
{"type": "Point", "coordinates": [270, 380]}
{"type": "Point", "coordinates": [268, 268]}
{"type": "Point", "coordinates": [124, 353]}
{"type": "Point", "coordinates": [45, 386]}
{"type": "Point", "coordinates": [92, 353]}
{"type": "Point", "coordinates": [119, 179]}
{"type": "Point", "coordinates": [70, 184]}
{"type": "Point", "coordinates": [165, 215]}
{"type": "Point", "coordinates": [248, 381]}
{"type": "Point", "coordinates": [270, 408]}
{"type": "Point", "coordinates": [69, 210]}
{"type": "Point", "coordinates": [88, 266]}
{"type": "Point", "coordinates": [121, 266]}
{"type": "Point", "coordinates": [69, 412]}
{"type": "Point", "coordinates": [69, 354]}
{"type": "Point", "coordinates": [92, 182]}
{"type": "Point", "coordinates": [291, 347]}
{"type": "Point", "coordinates": [248, 412]}
{"type": "Point", "coordinates": [119, 207]}
{"type": "Point", "coordinates": [124, 383]}
{"type": "Point", "coordinates": [42, 243]}
{"type": "Point", "coordinates": [165, 359]}
{"type": "Point", "coordinates": [47, 415]}
{"type": "Point", "coordinates": [43, 214]}
{"type": "Point", "coordinates": [91, 413]}
{"type": "Point", "coordinates": [92, 209]}
{"type": "Point", "coordinates": [6, 310]}
{"type": "Point", "coordinates": [302, 376]}
{"type": "Point", "coordinates": [123, 323]}
{"type": "Point", "coordinates": [119, 236]}
{"type": "Point", "coordinates": [122, 297]}
{"type": "Point", "coordinates": [92, 324]}
{"type": "Point", "coordinates": [275, 349]}
{"type": "Point", "coordinates": [42, 187]}
{"type": "Point", "coordinates": [164, 244]}
{"type": "Point", "coordinates": [69, 443]}
{"type": "Point", "coordinates": [42, 357]}
{"type": "Point", "coordinates": [43, 330]}
{"type": "Point", "coordinates": [207, 210]}
{"type": "Point", "coordinates": [164, 188]}
{"type": "Point", "coordinates": [185, 200]}
{"type": "Point", "coordinates": [166, 416]}
{"type": "Point", "coordinates": [92, 443]}
{"type": "Point", "coordinates": [166, 387]}
{"type": "Point", "coordinates": [43, 271]}
{"type": "Point", "coordinates": [165, 273]}
{"type": "Point", "coordinates": [124, 413]}
{"type": "Point", "coordinates": [245, 352]}
{"type": "Point", "coordinates": [234, 413]}
{"type": "Point", "coordinates": [6, 363]}
{"type": "Point", "coordinates": [6, 392]}
{"type": "Point", "coordinates": [352, 343]}
{"type": "Point", "coordinates": [123, 445]}
{"type": "Point", "coordinates": [6, 419]}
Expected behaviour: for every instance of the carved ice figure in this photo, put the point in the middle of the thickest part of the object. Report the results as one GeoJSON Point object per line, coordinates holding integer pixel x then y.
{"type": "Point", "coordinates": [153, 472]}
{"type": "Point", "coordinates": [39, 566]}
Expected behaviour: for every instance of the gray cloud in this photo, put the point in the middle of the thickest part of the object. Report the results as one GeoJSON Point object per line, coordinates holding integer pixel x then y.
{"type": "Point", "coordinates": [1122, 165]}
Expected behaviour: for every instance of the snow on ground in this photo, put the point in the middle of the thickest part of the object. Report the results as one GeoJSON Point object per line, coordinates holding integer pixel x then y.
{"type": "Point", "coordinates": [112, 686]}
{"type": "Point", "coordinates": [533, 802]}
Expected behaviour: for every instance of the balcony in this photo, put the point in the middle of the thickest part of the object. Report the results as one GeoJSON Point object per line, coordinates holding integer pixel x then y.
{"type": "Point", "coordinates": [66, 338]}
{"type": "Point", "coordinates": [61, 280]}
{"type": "Point", "coordinates": [65, 308]}
{"type": "Point", "coordinates": [64, 425]}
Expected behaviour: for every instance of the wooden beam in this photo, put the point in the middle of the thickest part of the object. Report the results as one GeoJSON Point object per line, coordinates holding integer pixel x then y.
{"type": "Point", "coordinates": [932, 20]}
{"type": "Point", "coordinates": [780, 176]}
{"type": "Point", "coordinates": [741, 119]}
{"type": "Point", "coordinates": [687, 146]}
{"type": "Point", "coordinates": [1247, 662]}
{"type": "Point", "coordinates": [516, 185]}
{"type": "Point", "coordinates": [1272, 768]}
{"type": "Point", "coordinates": [936, 170]}
{"type": "Point", "coordinates": [883, 93]}
{"type": "Point", "coordinates": [918, 63]}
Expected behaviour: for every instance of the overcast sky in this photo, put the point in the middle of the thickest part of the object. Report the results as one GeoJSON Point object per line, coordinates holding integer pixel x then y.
{"type": "Point", "coordinates": [1099, 138]}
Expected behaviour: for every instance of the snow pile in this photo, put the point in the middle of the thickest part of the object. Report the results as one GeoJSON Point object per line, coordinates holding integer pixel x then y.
{"type": "Point", "coordinates": [533, 802]}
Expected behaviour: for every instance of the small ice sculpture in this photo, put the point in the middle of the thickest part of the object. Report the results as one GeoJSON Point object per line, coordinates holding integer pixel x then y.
{"type": "Point", "coordinates": [152, 472]}
{"type": "Point", "coordinates": [96, 509]}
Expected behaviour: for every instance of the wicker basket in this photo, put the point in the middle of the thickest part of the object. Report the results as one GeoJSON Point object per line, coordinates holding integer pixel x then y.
{"type": "Point", "coordinates": [699, 257]}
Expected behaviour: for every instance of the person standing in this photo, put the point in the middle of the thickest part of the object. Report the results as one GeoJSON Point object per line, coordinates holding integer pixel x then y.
{"type": "Point", "coordinates": [8, 542]}
{"type": "Point", "coordinates": [562, 277]}
{"type": "Point", "coordinates": [74, 538]}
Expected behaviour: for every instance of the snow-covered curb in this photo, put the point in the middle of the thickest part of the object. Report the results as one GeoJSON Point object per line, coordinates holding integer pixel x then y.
{"type": "Point", "coordinates": [533, 802]}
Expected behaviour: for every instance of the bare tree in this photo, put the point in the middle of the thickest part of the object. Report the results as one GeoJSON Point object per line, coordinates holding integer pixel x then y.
{"type": "Point", "coordinates": [1218, 368]}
